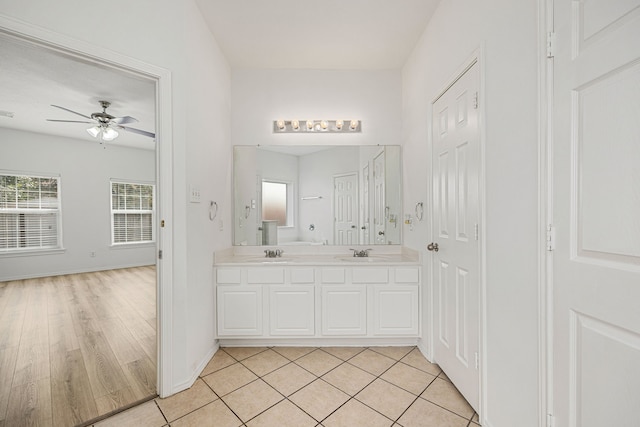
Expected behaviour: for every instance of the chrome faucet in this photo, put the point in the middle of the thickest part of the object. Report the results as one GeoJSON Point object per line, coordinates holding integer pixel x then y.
{"type": "Point", "coordinates": [360, 254]}
{"type": "Point", "coordinates": [273, 253]}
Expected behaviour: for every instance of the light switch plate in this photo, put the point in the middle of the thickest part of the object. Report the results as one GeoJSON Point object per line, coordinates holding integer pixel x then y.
{"type": "Point", "coordinates": [194, 194]}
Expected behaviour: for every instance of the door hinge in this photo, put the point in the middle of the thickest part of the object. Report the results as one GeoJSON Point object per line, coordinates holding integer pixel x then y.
{"type": "Point", "coordinates": [551, 44]}
{"type": "Point", "coordinates": [477, 361]}
{"type": "Point", "coordinates": [550, 420]}
{"type": "Point", "coordinates": [477, 231]}
{"type": "Point", "coordinates": [160, 254]}
{"type": "Point", "coordinates": [475, 101]}
{"type": "Point", "coordinates": [551, 237]}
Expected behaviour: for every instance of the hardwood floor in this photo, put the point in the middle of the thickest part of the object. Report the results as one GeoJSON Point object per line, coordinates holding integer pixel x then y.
{"type": "Point", "coordinates": [75, 347]}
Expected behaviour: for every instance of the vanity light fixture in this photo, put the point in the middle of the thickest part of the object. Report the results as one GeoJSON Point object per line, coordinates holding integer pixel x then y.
{"type": "Point", "coordinates": [317, 126]}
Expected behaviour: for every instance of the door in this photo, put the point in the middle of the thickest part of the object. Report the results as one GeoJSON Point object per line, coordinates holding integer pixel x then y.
{"type": "Point", "coordinates": [456, 284]}
{"type": "Point", "coordinates": [395, 310]}
{"type": "Point", "coordinates": [345, 196]}
{"type": "Point", "coordinates": [379, 203]}
{"type": "Point", "coordinates": [366, 208]}
{"type": "Point", "coordinates": [595, 201]}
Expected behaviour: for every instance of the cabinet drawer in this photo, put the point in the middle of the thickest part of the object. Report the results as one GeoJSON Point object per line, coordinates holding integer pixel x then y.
{"type": "Point", "coordinates": [229, 276]}
{"type": "Point", "coordinates": [407, 275]}
{"type": "Point", "coordinates": [302, 275]}
{"type": "Point", "coordinates": [265, 275]}
{"type": "Point", "coordinates": [370, 275]}
{"type": "Point", "coordinates": [333, 275]}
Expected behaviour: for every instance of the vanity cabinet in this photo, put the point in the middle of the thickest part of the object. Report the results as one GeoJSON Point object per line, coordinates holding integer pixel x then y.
{"type": "Point", "coordinates": [291, 310]}
{"type": "Point", "coordinates": [239, 310]}
{"type": "Point", "coordinates": [318, 301]}
{"type": "Point", "coordinates": [344, 310]}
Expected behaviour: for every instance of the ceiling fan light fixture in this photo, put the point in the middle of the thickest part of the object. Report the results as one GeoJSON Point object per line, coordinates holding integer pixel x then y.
{"type": "Point", "coordinates": [109, 134]}
{"type": "Point", "coordinates": [94, 131]}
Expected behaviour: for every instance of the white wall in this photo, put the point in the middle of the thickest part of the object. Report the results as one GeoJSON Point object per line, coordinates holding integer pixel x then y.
{"type": "Point", "coordinates": [507, 30]}
{"type": "Point", "coordinates": [171, 35]}
{"type": "Point", "coordinates": [261, 96]}
{"type": "Point", "coordinates": [85, 170]}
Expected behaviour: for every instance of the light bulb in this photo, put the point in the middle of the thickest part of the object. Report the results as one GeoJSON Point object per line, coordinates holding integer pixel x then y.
{"type": "Point", "coordinates": [310, 124]}
{"type": "Point", "coordinates": [94, 131]}
{"type": "Point", "coordinates": [280, 124]}
{"type": "Point", "coordinates": [109, 134]}
{"type": "Point", "coordinates": [324, 125]}
{"type": "Point", "coordinates": [353, 125]}
{"type": "Point", "coordinates": [295, 125]}
{"type": "Point", "coordinates": [339, 124]}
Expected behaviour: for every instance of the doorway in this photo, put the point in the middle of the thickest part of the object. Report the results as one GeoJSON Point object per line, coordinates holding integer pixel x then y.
{"type": "Point", "coordinates": [160, 79]}
{"type": "Point", "coordinates": [456, 249]}
{"type": "Point", "coordinates": [345, 196]}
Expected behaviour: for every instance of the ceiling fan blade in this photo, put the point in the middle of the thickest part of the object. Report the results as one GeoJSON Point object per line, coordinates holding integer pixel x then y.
{"type": "Point", "coordinates": [138, 131]}
{"type": "Point", "coordinates": [71, 111]}
{"type": "Point", "coordinates": [124, 120]}
{"type": "Point", "coordinates": [70, 121]}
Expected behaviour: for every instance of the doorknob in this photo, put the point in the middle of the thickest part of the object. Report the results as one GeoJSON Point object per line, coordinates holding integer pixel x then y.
{"type": "Point", "coordinates": [380, 233]}
{"type": "Point", "coordinates": [432, 247]}
{"type": "Point", "coordinates": [353, 226]}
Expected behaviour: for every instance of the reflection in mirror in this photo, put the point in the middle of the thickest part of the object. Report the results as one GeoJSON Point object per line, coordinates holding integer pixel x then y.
{"type": "Point", "coordinates": [317, 195]}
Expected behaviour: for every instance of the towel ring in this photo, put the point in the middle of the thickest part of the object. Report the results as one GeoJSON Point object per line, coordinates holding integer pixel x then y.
{"type": "Point", "coordinates": [419, 211]}
{"type": "Point", "coordinates": [247, 212]}
{"type": "Point", "coordinates": [213, 210]}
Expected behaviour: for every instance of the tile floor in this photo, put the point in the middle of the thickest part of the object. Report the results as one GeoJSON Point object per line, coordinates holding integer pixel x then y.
{"type": "Point", "coordinates": [309, 386]}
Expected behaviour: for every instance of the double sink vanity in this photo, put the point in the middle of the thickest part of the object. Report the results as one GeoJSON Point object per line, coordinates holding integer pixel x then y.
{"type": "Point", "coordinates": [318, 295]}
{"type": "Point", "coordinates": [291, 277]}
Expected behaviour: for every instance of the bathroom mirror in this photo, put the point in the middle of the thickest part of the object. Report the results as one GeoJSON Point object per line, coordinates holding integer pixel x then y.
{"type": "Point", "coordinates": [317, 195]}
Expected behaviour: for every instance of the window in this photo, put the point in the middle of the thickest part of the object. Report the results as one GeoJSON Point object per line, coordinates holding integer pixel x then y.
{"type": "Point", "coordinates": [132, 213]}
{"type": "Point", "coordinates": [29, 213]}
{"type": "Point", "coordinates": [275, 196]}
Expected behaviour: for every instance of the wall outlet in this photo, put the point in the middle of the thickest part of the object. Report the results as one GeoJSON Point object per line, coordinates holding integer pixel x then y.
{"type": "Point", "coordinates": [194, 194]}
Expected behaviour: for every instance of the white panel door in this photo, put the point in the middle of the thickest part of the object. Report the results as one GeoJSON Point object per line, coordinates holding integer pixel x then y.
{"type": "Point", "coordinates": [345, 206]}
{"type": "Point", "coordinates": [455, 269]}
{"type": "Point", "coordinates": [366, 207]}
{"type": "Point", "coordinates": [596, 213]}
{"type": "Point", "coordinates": [379, 199]}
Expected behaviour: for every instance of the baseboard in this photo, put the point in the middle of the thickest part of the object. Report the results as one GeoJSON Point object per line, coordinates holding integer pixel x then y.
{"type": "Point", "coordinates": [319, 342]}
{"type": "Point", "coordinates": [80, 271]}
{"type": "Point", "coordinates": [177, 388]}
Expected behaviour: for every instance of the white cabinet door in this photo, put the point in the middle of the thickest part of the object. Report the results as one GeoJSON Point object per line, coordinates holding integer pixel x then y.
{"type": "Point", "coordinates": [239, 310]}
{"type": "Point", "coordinates": [395, 310]}
{"type": "Point", "coordinates": [344, 310]}
{"type": "Point", "coordinates": [291, 310]}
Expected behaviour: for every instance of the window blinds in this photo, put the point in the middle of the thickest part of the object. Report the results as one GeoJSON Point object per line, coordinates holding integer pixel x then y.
{"type": "Point", "coordinates": [29, 212]}
{"type": "Point", "coordinates": [132, 212]}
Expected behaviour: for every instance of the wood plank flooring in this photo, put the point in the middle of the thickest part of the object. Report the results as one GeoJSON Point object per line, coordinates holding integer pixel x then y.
{"type": "Point", "coordinates": [76, 347]}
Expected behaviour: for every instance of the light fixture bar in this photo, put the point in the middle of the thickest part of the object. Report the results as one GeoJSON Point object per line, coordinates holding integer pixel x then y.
{"type": "Point", "coordinates": [317, 126]}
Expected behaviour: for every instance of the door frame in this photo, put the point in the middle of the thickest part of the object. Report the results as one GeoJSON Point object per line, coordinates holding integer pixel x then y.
{"type": "Point", "coordinates": [164, 167]}
{"type": "Point", "coordinates": [545, 213]}
{"type": "Point", "coordinates": [476, 57]}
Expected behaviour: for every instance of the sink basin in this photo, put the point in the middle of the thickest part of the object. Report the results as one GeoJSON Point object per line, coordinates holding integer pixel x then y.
{"type": "Point", "coordinates": [361, 259]}
{"type": "Point", "coordinates": [266, 260]}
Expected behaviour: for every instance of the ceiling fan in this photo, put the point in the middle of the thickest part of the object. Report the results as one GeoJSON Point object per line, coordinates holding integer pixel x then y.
{"type": "Point", "coordinates": [104, 124]}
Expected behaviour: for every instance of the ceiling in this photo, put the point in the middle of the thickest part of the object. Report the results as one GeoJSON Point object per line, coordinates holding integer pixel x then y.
{"type": "Point", "coordinates": [263, 34]}
{"type": "Point", "coordinates": [32, 78]}
{"type": "Point", "coordinates": [328, 34]}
